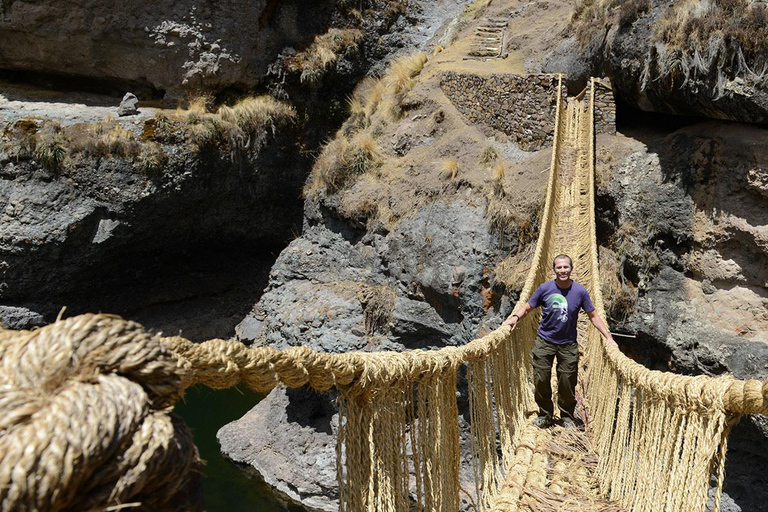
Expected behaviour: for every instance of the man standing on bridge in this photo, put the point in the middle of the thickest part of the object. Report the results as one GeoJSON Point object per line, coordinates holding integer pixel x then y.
{"type": "Point", "coordinates": [561, 300]}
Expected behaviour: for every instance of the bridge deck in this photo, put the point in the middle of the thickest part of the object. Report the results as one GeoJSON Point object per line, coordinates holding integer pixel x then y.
{"type": "Point", "coordinates": [555, 469]}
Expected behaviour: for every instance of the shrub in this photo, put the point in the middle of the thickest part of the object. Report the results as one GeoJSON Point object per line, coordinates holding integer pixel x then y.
{"type": "Point", "coordinates": [51, 147]}
{"type": "Point", "coordinates": [324, 51]}
{"type": "Point", "coordinates": [152, 159]}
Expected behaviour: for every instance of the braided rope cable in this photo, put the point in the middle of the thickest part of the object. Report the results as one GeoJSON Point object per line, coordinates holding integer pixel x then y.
{"type": "Point", "coordinates": [86, 421]}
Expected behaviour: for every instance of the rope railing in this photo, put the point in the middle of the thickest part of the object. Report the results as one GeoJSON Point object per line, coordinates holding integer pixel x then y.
{"type": "Point", "coordinates": [85, 402]}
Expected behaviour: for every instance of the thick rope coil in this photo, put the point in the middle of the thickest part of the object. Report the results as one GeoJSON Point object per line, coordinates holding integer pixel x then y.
{"type": "Point", "coordinates": [84, 419]}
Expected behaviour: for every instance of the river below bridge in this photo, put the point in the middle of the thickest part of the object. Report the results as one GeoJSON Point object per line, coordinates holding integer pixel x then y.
{"type": "Point", "coordinates": [227, 487]}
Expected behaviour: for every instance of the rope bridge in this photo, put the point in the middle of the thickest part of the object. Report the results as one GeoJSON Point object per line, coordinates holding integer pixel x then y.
{"type": "Point", "coordinates": [85, 403]}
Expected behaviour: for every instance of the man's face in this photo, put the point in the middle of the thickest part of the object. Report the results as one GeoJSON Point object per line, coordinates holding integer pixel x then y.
{"type": "Point", "coordinates": [563, 269]}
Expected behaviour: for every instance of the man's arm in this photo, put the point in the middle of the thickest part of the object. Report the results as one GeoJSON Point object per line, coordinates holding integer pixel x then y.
{"type": "Point", "coordinates": [516, 316]}
{"type": "Point", "coordinates": [600, 326]}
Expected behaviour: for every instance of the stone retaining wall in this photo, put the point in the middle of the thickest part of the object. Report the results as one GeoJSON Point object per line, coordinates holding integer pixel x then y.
{"type": "Point", "coordinates": [522, 107]}
{"type": "Point", "coordinates": [605, 107]}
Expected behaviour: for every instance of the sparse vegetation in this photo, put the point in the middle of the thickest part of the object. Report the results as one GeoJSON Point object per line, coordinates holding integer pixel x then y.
{"type": "Point", "coordinates": [324, 51]}
{"type": "Point", "coordinates": [378, 303]}
{"type": "Point", "coordinates": [711, 40]}
{"type": "Point", "coordinates": [244, 125]}
{"type": "Point", "coordinates": [354, 150]}
{"type": "Point", "coordinates": [107, 139]}
{"type": "Point", "coordinates": [449, 169]}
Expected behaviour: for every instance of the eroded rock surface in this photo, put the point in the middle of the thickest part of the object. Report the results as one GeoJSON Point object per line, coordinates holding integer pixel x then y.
{"type": "Point", "coordinates": [166, 45]}
{"type": "Point", "coordinates": [689, 224]}
{"type": "Point", "coordinates": [658, 65]}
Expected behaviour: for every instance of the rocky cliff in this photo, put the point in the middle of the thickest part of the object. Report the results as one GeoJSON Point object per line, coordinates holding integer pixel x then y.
{"type": "Point", "coordinates": [687, 58]}
{"type": "Point", "coordinates": [682, 216]}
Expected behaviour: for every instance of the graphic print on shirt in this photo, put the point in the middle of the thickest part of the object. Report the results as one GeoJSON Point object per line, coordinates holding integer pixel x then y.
{"type": "Point", "coordinates": [557, 302]}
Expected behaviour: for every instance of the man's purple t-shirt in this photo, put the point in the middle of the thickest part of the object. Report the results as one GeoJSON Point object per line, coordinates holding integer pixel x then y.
{"type": "Point", "coordinates": [560, 310]}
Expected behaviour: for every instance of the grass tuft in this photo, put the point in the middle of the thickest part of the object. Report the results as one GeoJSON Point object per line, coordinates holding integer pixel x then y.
{"type": "Point", "coordinates": [449, 169]}
{"type": "Point", "coordinates": [498, 180]}
{"type": "Point", "coordinates": [324, 51]}
{"type": "Point", "coordinates": [51, 146]}
{"type": "Point", "coordinates": [488, 156]}
{"type": "Point", "coordinates": [342, 161]}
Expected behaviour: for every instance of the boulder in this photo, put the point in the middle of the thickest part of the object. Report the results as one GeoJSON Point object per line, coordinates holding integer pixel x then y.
{"type": "Point", "coordinates": [129, 105]}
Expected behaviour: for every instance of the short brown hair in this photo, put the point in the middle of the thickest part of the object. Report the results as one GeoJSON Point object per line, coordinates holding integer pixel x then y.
{"type": "Point", "coordinates": [562, 257]}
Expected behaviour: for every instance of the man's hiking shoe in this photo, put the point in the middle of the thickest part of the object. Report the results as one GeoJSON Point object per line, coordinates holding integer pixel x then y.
{"type": "Point", "coordinates": [542, 421]}
{"type": "Point", "coordinates": [573, 423]}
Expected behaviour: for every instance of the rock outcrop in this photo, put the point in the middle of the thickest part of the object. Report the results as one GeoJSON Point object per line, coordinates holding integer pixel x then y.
{"type": "Point", "coordinates": [696, 58]}
{"type": "Point", "coordinates": [685, 214]}
{"type": "Point", "coordinates": [97, 235]}
{"type": "Point", "coordinates": [164, 46]}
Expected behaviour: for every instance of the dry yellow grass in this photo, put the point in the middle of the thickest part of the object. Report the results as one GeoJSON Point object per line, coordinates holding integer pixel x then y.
{"type": "Point", "coordinates": [499, 171]}
{"type": "Point", "coordinates": [341, 161]}
{"type": "Point", "coordinates": [488, 156]}
{"type": "Point", "coordinates": [101, 140]}
{"type": "Point", "coordinates": [325, 50]}
{"type": "Point", "coordinates": [449, 169]}
{"type": "Point", "coordinates": [254, 114]}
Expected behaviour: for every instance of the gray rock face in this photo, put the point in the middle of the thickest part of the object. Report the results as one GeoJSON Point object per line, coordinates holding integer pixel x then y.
{"type": "Point", "coordinates": [434, 262]}
{"type": "Point", "coordinates": [656, 79]}
{"type": "Point", "coordinates": [92, 236]}
{"type": "Point", "coordinates": [305, 421]}
{"type": "Point", "coordinates": [691, 222]}
{"type": "Point", "coordinates": [129, 105]}
{"type": "Point", "coordinates": [166, 45]}
{"type": "Point", "coordinates": [19, 318]}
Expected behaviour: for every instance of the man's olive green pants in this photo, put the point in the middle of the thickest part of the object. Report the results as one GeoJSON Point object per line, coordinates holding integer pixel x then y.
{"type": "Point", "coordinates": [544, 354]}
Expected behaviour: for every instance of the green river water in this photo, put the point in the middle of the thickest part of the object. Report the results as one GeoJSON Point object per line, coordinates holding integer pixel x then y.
{"type": "Point", "coordinates": [227, 488]}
